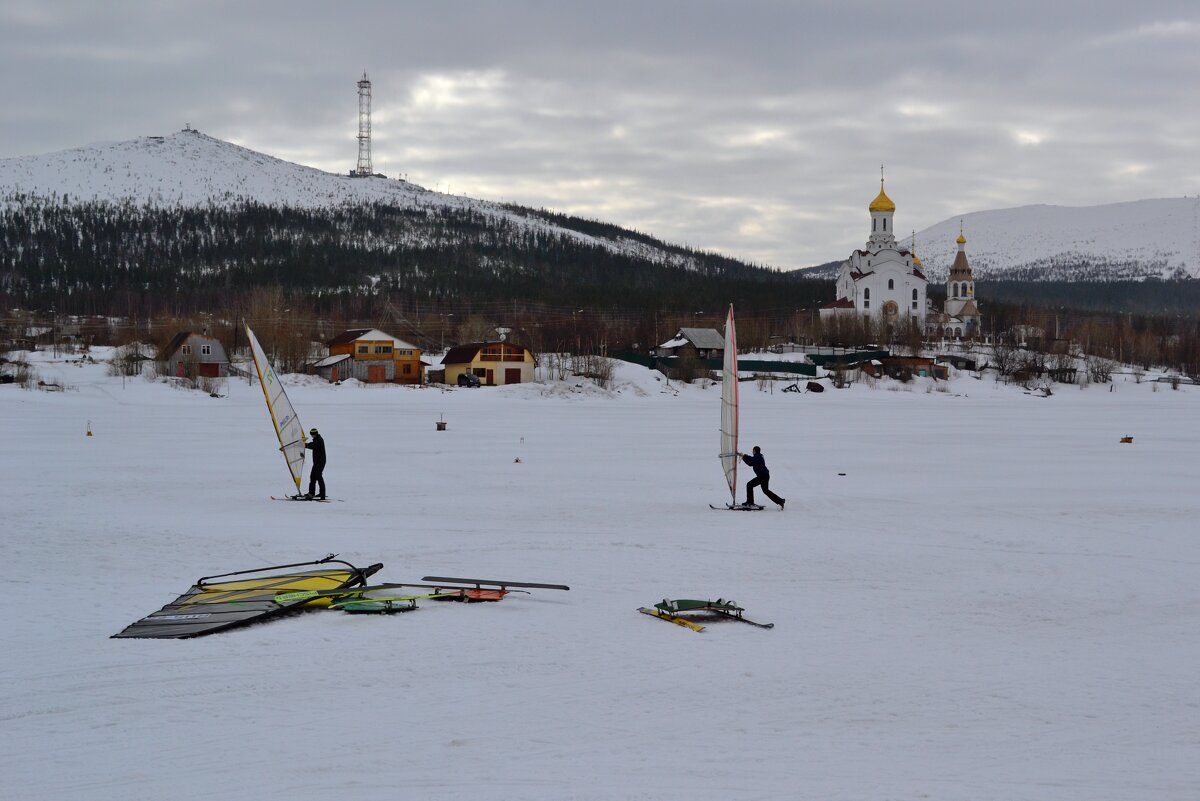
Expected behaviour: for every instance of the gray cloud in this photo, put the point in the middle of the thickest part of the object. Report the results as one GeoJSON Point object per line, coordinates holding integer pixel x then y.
{"type": "Point", "coordinates": [753, 128]}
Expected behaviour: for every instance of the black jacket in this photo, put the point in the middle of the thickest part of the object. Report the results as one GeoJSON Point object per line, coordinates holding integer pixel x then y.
{"type": "Point", "coordinates": [758, 463]}
{"type": "Point", "coordinates": [317, 446]}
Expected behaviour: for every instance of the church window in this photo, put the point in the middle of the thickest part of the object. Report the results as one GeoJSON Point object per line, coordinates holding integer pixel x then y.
{"type": "Point", "coordinates": [867, 293]}
{"type": "Point", "coordinates": [954, 290]}
{"type": "Point", "coordinates": [885, 223]}
{"type": "Point", "coordinates": [970, 290]}
{"type": "Point", "coordinates": [958, 332]}
{"type": "Point", "coordinates": [891, 283]}
{"type": "Point", "coordinates": [874, 223]}
{"type": "Point", "coordinates": [914, 305]}
{"type": "Point", "coordinates": [914, 297]}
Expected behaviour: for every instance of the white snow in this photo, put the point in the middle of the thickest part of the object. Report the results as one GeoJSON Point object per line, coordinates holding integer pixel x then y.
{"type": "Point", "coordinates": [997, 600]}
{"type": "Point", "coordinates": [190, 169]}
{"type": "Point", "coordinates": [1157, 237]}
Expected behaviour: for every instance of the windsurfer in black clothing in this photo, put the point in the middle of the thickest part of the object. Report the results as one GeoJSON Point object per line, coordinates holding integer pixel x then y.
{"type": "Point", "coordinates": [762, 478]}
{"type": "Point", "coordinates": [316, 476]}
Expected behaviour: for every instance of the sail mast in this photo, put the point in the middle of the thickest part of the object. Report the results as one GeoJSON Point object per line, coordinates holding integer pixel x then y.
{"type": "Point", "coordinates": [283, 414]}
{"type": "Point", "coordinates": [729, 408]}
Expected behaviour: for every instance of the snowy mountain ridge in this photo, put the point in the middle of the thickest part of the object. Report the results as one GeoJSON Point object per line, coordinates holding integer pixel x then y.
{"type": "Point", "coordinates": [1141, 239]}
{"type": "Point", "coordinates": [192, 169]}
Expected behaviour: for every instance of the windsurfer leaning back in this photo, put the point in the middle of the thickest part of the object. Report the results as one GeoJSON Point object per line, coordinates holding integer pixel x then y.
{"type": "Point", "coordinates": [316, 475]}
{"type": "Point", "coordinates": [762, 478]}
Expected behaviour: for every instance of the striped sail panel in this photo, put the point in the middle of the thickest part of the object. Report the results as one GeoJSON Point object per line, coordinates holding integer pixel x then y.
{"type": "Point", "coordinates": [207, 608]}
{"type": "Point", "coordinates": [729, 408]}
{"type": "Point", "coordinates": [283, 414]}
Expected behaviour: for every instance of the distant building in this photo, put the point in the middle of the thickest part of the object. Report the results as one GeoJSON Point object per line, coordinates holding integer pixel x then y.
{"type": "Point", "coordinates": [370, 355]}
{"type": "Point", "coordinates": [882, 280]}
{"type": "Point", "coordinates": [704, 343]}
{"type": "Point", "coordinates": [960, 317]}
{"type": "Point", "coordinates": [192, 355]}
{"type": "Point", "coordinates": [494, 363]}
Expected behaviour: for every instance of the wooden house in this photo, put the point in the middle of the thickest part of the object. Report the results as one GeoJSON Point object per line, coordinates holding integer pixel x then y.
{"type": "Point", "coordinates": [192, 355]}
{"type": "Point", "coordinates": [704, 343]}
{"type": "Point", "coordinates": [904, 368]}
{"type": "Point", "coordinates": [371, 356]}
{"type": "Point", "coordinates": [494, 363]}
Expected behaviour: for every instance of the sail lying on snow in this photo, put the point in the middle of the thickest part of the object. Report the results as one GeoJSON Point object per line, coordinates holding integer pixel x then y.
{"type": "Point", "coordinates": [283, 414]}
{"type": "Point", "coordinates": [211, 606]}
{"type": "Point", "coordinates": [729, 408]}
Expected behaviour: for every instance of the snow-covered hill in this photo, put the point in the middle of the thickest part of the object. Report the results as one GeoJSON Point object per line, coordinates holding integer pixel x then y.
{"type": "Point", "coordinates": [1141, 239]}
{"type": "Point", "coordinates": [190, 168]}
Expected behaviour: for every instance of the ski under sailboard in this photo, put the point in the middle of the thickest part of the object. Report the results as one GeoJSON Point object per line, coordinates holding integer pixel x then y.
{"type": "Point", "coordinates": [669, 610]}
{"type": "Point", "coordinates": [302, 498]}
{"type": "Point", "coordinates": [741, 507]}
{"type": "Point", "coordinates": [403, 603]}
{"type": "Point", "coordinates": [478, 590]}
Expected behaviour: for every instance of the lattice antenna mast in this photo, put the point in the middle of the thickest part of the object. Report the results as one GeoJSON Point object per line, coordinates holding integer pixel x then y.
{"type": "Point", "coordinates": [364, 128]}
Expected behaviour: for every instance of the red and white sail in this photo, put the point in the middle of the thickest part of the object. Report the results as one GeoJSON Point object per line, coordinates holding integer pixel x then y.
{"type": "Point", "coordinates": [729, 408]}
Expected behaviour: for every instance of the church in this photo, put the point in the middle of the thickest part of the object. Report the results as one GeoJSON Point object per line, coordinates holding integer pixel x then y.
{"type": "Point", "coordinates": [882, 280]}
{"type": "Point", "coordinates": [960, 318]}
{"type": "Point", "coordinates": [885, 281]}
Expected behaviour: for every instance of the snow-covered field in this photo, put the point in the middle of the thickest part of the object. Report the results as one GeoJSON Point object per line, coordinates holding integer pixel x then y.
{"type": "Point", "coordinates": [997, 600]}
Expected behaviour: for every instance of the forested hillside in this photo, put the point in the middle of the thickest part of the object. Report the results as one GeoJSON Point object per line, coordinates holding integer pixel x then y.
{"type": "Point", "coordinates": [103, 257]}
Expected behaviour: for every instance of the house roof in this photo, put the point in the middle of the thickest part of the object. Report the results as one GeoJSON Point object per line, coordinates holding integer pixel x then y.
{"type": "Point", "coordinates": [707, 338]}
{"type": "Point", "coordinates": [175, 343]}
{"type": "Point", "coordinates": [840, 303]}
{"type": "Point", "coordinates": [330, 361]}
{"type": "Point", "coordinates": [373, 334]}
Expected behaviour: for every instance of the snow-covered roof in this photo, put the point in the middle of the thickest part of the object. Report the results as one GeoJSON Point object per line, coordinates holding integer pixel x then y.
{"type": "Point", "coordinates": [707, 338]}
{"type": "Point", "coordinates": [372, 334]}
{"type": "Point", "coordinates": [330, 361]}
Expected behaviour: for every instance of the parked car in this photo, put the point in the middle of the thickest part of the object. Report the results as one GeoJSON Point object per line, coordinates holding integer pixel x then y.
{"type": "Point", "coordinates": [468, 380]}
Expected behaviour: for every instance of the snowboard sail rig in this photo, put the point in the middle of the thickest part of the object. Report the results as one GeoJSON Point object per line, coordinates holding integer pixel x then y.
{"type": "Point", "coordinates": [729, 409]}
{"type": "Point", "coordinates": [244, 597]}
{"type": "Point", "coordinates": [669, 610]}
{"type": "Point", "coordinates": [283, 414]}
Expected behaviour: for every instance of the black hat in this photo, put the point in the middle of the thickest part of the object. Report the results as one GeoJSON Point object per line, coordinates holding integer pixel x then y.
{"type": "Point", "coordinates": [312, 430]}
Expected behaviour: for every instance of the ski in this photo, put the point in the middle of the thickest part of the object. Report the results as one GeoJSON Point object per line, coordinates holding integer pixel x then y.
{"type": "Point", "coordinates": [402, 603]}
{"type": "Point", "coordinates": [741, 507]}
{"type": "Point", "coordinates": [302, 498]}
{"type": "Point", "coordinates": [738, 617]}
{"type": "Point", "coordinates": [678, 621]}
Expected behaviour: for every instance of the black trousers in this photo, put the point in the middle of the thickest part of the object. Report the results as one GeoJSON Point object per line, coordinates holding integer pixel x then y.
{"type": "Point", "coordinates": [765, 483]}
{"type": "Point", "coordinates": [317, 477]}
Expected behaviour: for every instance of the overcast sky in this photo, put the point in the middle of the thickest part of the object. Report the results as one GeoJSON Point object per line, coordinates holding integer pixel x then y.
{"type": "Point", "coordinates": [756, 129]}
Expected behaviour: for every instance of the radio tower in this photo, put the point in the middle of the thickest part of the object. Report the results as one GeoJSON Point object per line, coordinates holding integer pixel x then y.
{"type": "Point", "coordinates": [364, 128]}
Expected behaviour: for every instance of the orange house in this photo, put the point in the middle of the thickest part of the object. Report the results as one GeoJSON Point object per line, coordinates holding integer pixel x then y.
{"type": "Point", "coordinates": [373, 357]}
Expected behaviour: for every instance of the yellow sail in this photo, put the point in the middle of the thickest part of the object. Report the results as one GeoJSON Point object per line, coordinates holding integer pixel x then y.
{"type": "Point", "coordinates": [283, 415]}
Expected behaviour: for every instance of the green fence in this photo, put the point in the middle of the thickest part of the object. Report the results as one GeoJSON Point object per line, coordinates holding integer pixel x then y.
{"type": "Point", "coordinates": [757, 366]}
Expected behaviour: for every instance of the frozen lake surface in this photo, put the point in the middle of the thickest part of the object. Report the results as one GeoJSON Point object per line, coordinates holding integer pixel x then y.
{"type": "Point", "coordinates": [997, 600]}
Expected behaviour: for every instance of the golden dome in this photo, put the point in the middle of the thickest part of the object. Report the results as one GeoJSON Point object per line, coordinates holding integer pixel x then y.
{"type": "Point", "coordinates": [882, 202]}
{"type": "Point", "coordinates": [962, 240]}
